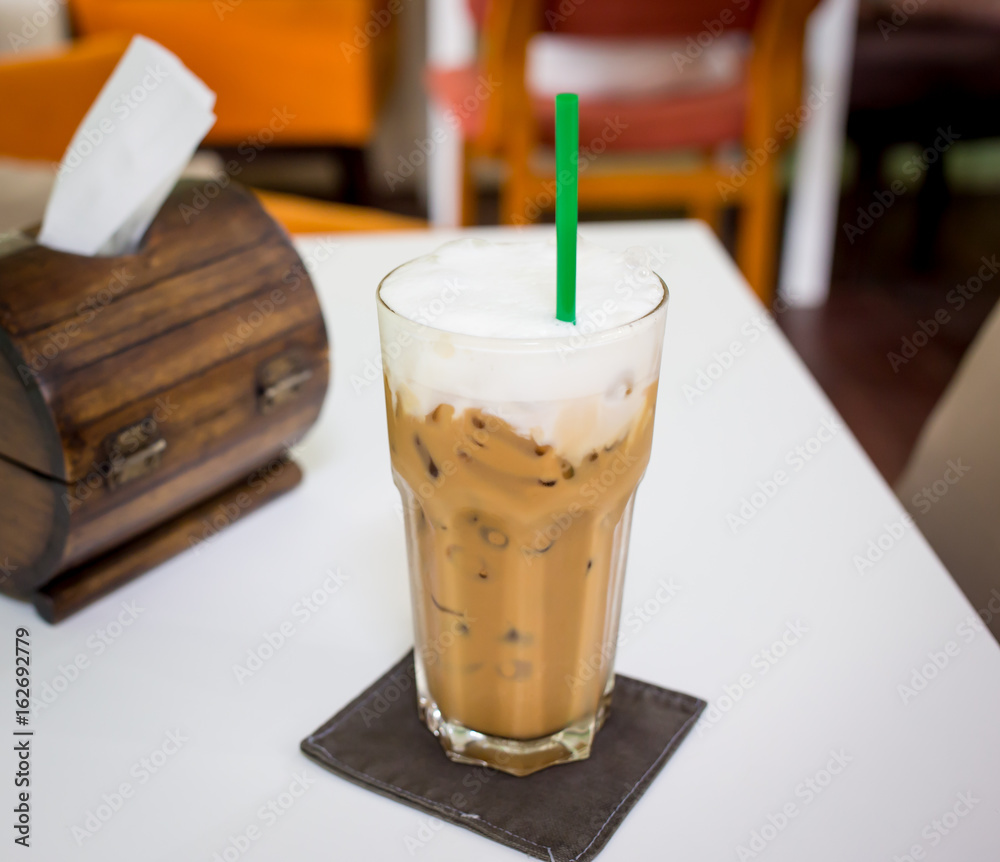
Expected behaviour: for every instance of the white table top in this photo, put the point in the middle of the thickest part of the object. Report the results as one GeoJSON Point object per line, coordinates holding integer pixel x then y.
{"type": "Point", "coordinates": [782, 714]}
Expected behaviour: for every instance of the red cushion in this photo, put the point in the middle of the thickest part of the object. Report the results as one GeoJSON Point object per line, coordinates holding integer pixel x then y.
{"type": "Point", "coordinates": [698, 119]}
{"type": "Point", "coordinates": [649, 18]}
{"type": "Point", "coordinates": [646, 18]}
{"type": "Point", "coordinates": [454, 91]}
{"type": "Point", "coordinates": [705, 118]}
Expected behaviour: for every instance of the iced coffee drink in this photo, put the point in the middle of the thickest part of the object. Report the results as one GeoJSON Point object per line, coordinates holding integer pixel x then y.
{"type": "Point", "coordinates": [517, 443]}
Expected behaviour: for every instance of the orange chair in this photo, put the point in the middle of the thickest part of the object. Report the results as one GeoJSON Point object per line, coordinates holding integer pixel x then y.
{"type": "Point", "coordinates": [760, 112]}
{"type": "Point", "coordinates": [45, 95]}
{"type": "Point", "coordinates": [314, 59]}
{"type": "Point", "coordinates": [323, 65]}
{"type": "Point", "coordinates": [300, 215]}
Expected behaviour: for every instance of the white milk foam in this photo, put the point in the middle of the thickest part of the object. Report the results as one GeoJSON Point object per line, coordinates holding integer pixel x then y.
{"type": "Point", "coordinates": [508, 290]}
{"type": "Point", "coordinates": [480, 331]}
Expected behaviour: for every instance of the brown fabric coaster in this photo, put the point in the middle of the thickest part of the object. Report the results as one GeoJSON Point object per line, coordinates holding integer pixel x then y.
{"type": "Point", "coordinates": [565, 813]}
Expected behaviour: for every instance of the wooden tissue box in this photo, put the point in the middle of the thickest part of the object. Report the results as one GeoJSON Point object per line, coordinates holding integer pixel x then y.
{"type": "Point", "coordinates": [148, 400]}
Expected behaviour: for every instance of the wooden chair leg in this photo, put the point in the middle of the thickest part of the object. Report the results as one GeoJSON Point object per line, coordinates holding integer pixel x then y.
{"type": "Point", "coordinates": [707, 211]}
{"type": "Point", "coordinates": [757, 243]}
{"type": "Point", "coordinates": [515, 206]}
{"type": "Point", "coordinates": [469, 192]}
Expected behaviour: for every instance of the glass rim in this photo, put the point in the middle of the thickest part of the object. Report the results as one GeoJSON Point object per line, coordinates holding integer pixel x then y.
{"type": "Point", "coordinates": [622, 330]}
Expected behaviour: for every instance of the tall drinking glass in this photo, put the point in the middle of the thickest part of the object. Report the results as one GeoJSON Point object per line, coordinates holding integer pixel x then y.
{"type": "Point", "coordinates": [517, 460]}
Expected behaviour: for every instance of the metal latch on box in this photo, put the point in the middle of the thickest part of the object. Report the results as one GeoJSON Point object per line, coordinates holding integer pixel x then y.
{"type": "Point", "coordinates": [134, 452]}
{"type": "Point", "coordinates": [280, 380]}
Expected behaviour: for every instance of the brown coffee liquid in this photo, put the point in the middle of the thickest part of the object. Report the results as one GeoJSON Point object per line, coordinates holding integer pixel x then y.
{"type": "Point", "coordinates": [521, 555]}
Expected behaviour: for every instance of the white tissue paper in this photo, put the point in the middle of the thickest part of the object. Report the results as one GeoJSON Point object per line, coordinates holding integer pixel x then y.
{"type": "Point", "coordinates": [127, 153]}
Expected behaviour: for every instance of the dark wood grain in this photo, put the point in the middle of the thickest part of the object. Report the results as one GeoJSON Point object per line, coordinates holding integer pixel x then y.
{"type": "Point", "coordinates": [33, 528]}
{"type": "Point", "coordinates": [50, 285]}
{"type": "Point", "coordinates": [184, 488]}
{"type": "Point", "coordinates": [138, 317]}
{"type": "Point", "coordinates": [79, 587]}
{"type": "Point", "coordinates": [27, 427]}
{"type": "Point", "coordinates": [157, 365]}
{"type": "Point", "coordinates": [180, 340]}
{"type": "Point", "coordinates": [202, 415]}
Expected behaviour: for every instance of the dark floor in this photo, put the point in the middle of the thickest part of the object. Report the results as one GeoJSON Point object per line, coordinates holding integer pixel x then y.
{"type": "Point", "coordinates": [878, 298]}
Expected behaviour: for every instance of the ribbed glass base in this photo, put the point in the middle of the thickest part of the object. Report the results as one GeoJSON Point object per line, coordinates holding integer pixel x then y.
{"type": "Point", "coordinates": [514, 756]}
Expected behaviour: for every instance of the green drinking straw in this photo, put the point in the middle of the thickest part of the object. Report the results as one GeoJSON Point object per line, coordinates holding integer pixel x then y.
{"type": "Point", "coordinates": [567, 158]}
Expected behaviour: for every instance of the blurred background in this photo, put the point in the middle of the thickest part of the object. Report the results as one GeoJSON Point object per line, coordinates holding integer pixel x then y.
{"type": "Point", "coordinates": [847, 152]}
